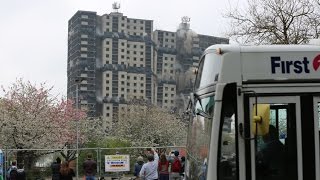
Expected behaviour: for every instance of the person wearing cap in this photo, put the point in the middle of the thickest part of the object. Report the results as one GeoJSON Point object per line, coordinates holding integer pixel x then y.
{"type": "Point", "coordinates": [149, 170]}
{"type": "Point", "coordinates": [137, 166]}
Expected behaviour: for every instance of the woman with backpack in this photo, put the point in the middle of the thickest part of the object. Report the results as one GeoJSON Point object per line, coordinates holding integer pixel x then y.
{"type": "Point", "coordinates": [12, 171]}
{"type": "Point", "coordinates": [163, 167]}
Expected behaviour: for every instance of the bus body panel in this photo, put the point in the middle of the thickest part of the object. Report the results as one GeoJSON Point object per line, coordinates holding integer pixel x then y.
{"type": "Point", "coordinates": [266, 72]}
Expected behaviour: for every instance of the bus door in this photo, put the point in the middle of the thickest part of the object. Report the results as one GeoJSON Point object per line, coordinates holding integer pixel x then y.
{"type": "Point", "coordinates": [316, 110]}
{"type": "Point", "coordinates": [274, 155]}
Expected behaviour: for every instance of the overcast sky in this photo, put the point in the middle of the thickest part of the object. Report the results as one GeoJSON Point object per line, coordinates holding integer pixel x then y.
{"type": "Point", "coordinates": [33, 33]}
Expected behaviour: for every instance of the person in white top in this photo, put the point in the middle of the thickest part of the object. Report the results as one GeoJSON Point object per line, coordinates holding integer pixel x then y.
{"type": "Point", "coordinates": [149, 170]}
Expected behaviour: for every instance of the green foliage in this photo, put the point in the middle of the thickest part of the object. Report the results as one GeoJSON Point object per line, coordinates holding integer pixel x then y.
{"type": "Point", "coordinates": [108, 142]}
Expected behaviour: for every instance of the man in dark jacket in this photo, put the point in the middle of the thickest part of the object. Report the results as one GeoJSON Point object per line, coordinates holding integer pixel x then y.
{"type": "Point", "coordinates": [90, 167]}
{"type": "Point", "coordinates": [21, 174]}
{"type": "Point", "coordinates": [12, 171]}
{"type": "Point", "coordinates": [137, 166]}
{"type": "Point", "coordinates": [55, 167]}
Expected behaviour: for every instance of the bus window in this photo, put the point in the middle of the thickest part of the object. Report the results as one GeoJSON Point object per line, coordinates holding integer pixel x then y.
{"type": "Point", "coordinates": [199, 136]}
{"type": "Point", "coordinates": [278, 119]}
{"type": "Point", "coordinates": [227, 159]}
{"type": "Point", "coordinates": [276, 151]}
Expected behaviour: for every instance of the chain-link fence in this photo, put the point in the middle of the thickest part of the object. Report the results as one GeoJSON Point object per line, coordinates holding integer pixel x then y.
{"type": "Point", "coordinates": [37, 163]}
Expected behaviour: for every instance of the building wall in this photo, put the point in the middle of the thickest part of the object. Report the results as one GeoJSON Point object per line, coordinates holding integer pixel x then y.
{"type": "Point", "coordinates": [178, 53]}
{"type": "Point", "coordinates": [81, 60]}
{"type": "Point", "coordinates": [127, 55]}
{"type": "Point", "coordinates": [120, 59]}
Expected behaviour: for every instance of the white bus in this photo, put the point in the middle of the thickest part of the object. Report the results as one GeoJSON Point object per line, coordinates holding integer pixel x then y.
{"type": "Point", "coordinates": [255, 114]}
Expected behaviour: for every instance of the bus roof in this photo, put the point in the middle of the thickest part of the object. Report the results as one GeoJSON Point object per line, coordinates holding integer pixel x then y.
{"type": "Point", "coordinates": [265, 48]}
{"type": "Point", "coordinates": [265, 63]}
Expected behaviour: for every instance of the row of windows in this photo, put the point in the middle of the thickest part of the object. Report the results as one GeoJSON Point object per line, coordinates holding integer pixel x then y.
{"type": "Point", "coordinates": [171, 71]}
{"type": "Point", "coordinates": [134, 97]}
{"type": "Point", "coordinates": [130, 33]}
{"type": "Point", "coordinates": [168, 46]}
{"type": "Point", "coordinates": [166, 40]}
{"type": "Point", "coordinates": [166, 58]}
{"type": "Point", "coordinates": [128, 90]}
{"type": "Point", "coordinates": [134, 46]}
{"type": "Point", "coordinates": [137, 65]}
{"type": "Point", "coordinates": [128, 20]}
{"type": "Point", "coordinates": [166, 101]}
{"type": "Point", "coordinates": [133, 65]}
{"type": "Point", "coordinates": [128, 52]}
{"type": "Point", "coordinates": [166, 89]}
{"type": "Point", "coordinates": [128, 57]}
{"type": "Point", "coordinates": [167, 33]}
{"type": "Point", "coordinates": [128, 45]}
{"type": "Point", "coordinates": [166, 95]}
{"type": "Point", "coordinates": [128, 27]}
{"type": "Point", "coordinates": [135, 78]}
{"type": "Point", "coordinates": [128, 77]}
{"type": "Point", "coordinates": [134, 27]}
{"type": "Point", "coordinates": [166, 64]}
{"type": "Point", "coordinates": [135, 58]}
{"type": "Point", "coordinates": [122, 108]}
{"type": "Point", "coordinates": [122, 83]}
{"type": "Point", "coordinates": [135, 52]}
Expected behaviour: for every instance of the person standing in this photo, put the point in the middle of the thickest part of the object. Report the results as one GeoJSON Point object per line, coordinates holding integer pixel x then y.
{"type": "Point", "coordinates": [175, 167]}
{"type": "Point", "coordinates": [163, 167]}
{"type": "Point", "coordinates": [137, 166]}
{"type": "Point", "coordinates": [21, 174]}
{"type": "Point", "coordinates": [270, 160]}
{"type": "Point", "coordinates": [12, 171]}
{"type": "Point", "coordinates": [149, 170]}
{"type": "Point", "coordinates": [55, 167]}
{"type": "Point", "coordinates": [183, 161]}
{"type": "Point", "coordinates": [66, 173]}
{"type": "Point", "coordinates": [90, 167]}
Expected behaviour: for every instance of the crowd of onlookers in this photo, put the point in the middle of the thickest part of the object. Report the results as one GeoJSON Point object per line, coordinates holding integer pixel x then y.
{"type": "Point", "coordinates": [64, 172]}
{"type": "Point", "coordinates": [16, 172]}
{"type": "Point", "coordinates": [60, 170]}
{"type": "Point", "coordinates": [167, 167]}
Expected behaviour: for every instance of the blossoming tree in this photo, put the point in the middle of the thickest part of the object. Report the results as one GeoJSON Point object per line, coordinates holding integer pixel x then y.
{"type": "Point", "coordinates": [31, 118]}
{"type": "Point", "coordinates": [148, 125]}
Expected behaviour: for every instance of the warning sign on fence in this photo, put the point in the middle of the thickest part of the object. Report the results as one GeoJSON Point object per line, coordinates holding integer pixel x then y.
{"type": "Point", "coordinates": [117, 163]}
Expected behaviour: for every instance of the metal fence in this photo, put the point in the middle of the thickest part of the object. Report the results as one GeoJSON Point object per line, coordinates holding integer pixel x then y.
{"type": "Point", "coordinates": [37, 162]}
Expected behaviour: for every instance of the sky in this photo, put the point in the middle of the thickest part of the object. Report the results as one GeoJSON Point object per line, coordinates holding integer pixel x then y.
{"type": "Point", "coordinates": [33, 33]}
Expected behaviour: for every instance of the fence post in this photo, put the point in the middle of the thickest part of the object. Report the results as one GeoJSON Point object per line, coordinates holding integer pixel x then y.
{"type": "Point", "coordinates": [100, 159]}
{"type": "Point", "coordinates": [5, 163]}
{"type": "Point", "coordinates": [98, 167]}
